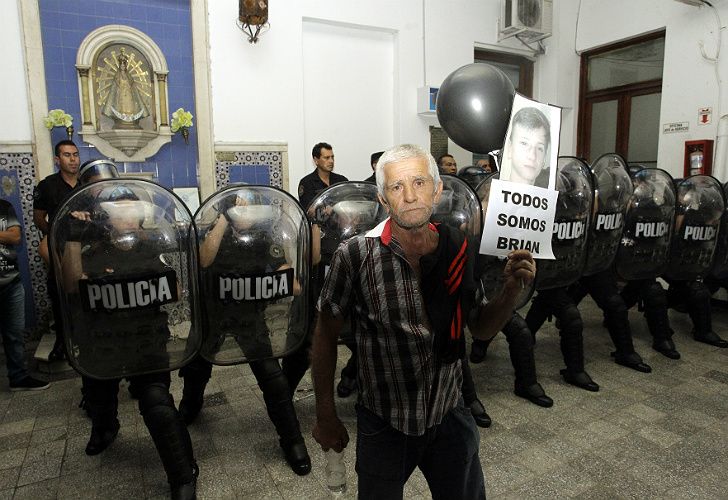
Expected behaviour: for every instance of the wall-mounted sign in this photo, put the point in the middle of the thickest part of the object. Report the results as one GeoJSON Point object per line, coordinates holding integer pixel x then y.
{"type": "Point", "coordinates": [705, 116]}
{"type": "Point", "coordinates": [673, 127]}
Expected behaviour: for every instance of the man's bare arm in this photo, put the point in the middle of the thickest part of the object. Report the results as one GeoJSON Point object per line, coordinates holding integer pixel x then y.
{"type": "Point", "coordinates": [329, 432]}
{"type": "Point", "coordinates": [11, 236]}
{"type": "Point", "coordinates": [492, 317]}
{"type": "Point", "coordinates": [40, 220]}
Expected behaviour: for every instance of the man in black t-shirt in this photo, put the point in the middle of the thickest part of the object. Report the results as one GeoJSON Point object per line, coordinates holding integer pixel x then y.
{"type": "Point", "coordinates": [322, 177]}
{"type": "Point", "coordinates": [47, 198]}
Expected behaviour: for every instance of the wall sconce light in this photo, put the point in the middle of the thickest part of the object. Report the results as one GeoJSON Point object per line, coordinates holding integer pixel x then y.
{"type": "Point", "coordinates": [253, 18]}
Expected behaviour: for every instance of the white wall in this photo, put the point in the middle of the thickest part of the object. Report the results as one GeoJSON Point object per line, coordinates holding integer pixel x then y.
{"type": "Point", "coordinates": [689, 81]}
{"type": "Point", "coordinates": [258, 89]}
{"type": "Point", "coordinates": [354, 109]}
{"type": "Point", "coordinates": [15, 122]}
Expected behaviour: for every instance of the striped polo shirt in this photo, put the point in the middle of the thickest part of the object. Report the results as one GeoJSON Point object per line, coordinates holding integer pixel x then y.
{"type": "Point", "coordinates": [399, 381]}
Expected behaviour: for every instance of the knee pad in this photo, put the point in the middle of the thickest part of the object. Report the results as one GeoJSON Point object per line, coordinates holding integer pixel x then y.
{"type": "Point", "coordinates": [654, 295]}
{"type": "Point", "coordinates": [570, 319]}
{"type": "Point", "coordinates": [199, 369]}
{"type": "Point", "coordinates": [697, 292]}
{"type": "Point", "coordinates": [614, 306]}
{"type": "Point", "coordinates": [517, 331]}
{"type": "Point", "coordinates": [270, 377]}
{"type": "Point", "coordinates": [155, 397]}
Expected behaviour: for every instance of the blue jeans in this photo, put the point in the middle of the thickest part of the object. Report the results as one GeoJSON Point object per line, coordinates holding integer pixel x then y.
{"type": "Point", "coordinates": [12, 323]}
{"type": "Point", "coordinates": [447, 455]}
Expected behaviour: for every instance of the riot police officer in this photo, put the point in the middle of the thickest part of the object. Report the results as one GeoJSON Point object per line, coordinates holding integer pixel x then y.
{"type": "Point", "coordinates": [118, 291]}
{"type": "Point", "coordinates": [698, 248]}
{"type": "Point", "coordinates": [233, 251]}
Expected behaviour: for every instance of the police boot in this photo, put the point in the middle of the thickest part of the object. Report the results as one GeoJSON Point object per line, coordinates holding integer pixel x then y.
{"type": "Point", "coordinates": [104, 429]}
{"type": "Point", "coordinates": [100, 404]}
{"type": "Point", "coordinates": [621, 333]}
{"type": "Point", "coordinates": [631, 360]}
{"type": "Point", "coordinates": [572, 348]}
{"type": "Point", "coordinates": [478, 350]}
{"type": "Point", "coordinates": [710, 338]}
{"type": "Point", "coordinates": [282, 413]}
{"type": "Point", "coordinates": [171, 439]}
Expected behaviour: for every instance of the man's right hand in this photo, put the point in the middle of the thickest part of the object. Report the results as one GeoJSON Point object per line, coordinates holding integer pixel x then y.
{"type": "Point", "coordinates": [331, 433]}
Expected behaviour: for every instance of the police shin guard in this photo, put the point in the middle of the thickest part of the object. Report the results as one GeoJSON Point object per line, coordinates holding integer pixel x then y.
{"type": "Point", "coordinates": [655, 301]}
{"type": "Point", "coordinates": [520, 346]}
{"type": "Point", "coordinates": [478, 350]}
{"type": "Point", "coordinates": [101, 405]}
{"type": "Point", "coordinates": [171, 439]}
{"type": "Point", "coordinates": [701, 315]}
{"type": "Point", "coordinates": [295, 366]}
{"type": "Point", "coordinates": [282, 413]}
{"type": "Point", "coordinates": [572, 348]}
{"type": "Point", "coordinates": [621, 334]}
{"type": "Point", "coordinates": [195, 375]}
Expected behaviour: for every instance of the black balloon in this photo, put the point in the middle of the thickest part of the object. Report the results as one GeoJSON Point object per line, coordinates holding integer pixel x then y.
{"type": "Point", "coordinates": [474, 106]}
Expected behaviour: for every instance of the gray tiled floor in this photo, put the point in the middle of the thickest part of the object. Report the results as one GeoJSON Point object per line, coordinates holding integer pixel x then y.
{"type": "Point", "coordinates": [662, 434]}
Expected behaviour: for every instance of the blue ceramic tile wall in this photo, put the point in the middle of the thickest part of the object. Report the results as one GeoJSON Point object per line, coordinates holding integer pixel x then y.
{"type": "Point", "coordinates": [65, 24]}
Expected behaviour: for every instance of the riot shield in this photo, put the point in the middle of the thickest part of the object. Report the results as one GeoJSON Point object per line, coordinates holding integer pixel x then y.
{"type": "Point", "coordinates": [254, 274]}
{"type": "Point", "coordinates": [612, 190]}
{"type": "Point", "coordinates": [571, 224]}
{"type": "Point", "coordinates": [125, 255]}
{"type": "Point", "coordinates": [473, 175]}
{"type": "Point", "coordinates": [720, 259]}
{"type": "Point", "coordinates": [459, 207]}
{"type": "Point", "coordinates": [698, 211]}
{"type": "Point", "coordinates": [645, 247]}
{"type": "Point", "coordinates": [489, 267]}
{"type": "Point", "coordinates": [338, 213]}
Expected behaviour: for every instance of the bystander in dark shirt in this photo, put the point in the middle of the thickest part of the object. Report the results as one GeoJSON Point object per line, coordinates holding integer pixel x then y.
{"type": "Point", "coordinates": [311, 185]}
{"type": "Point", "coordinates": [49, 194]}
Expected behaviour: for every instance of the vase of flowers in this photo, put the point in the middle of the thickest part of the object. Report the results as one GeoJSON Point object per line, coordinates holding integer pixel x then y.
{"type": "Point", "coordinates": [59, 118]}
{"type": "Point", "coordinates": [181, 122]}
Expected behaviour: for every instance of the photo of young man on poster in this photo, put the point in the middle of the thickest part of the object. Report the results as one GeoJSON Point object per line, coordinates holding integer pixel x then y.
{"type": "Point", "coordinates": [531, 146]}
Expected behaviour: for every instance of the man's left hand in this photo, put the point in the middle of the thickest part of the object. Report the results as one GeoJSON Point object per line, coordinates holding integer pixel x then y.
{"type": "Point", "coordinates": [520, 270]}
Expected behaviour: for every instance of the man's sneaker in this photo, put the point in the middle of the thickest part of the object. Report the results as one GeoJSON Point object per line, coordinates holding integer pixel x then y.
{"type": "Point", "coordinates": [29, 384]}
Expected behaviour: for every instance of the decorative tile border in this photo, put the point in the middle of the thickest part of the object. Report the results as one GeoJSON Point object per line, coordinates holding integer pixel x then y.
{"type": "Point", "coordinates": [275, 156]}
{"type": "Point", "coordinates": [23, 166]}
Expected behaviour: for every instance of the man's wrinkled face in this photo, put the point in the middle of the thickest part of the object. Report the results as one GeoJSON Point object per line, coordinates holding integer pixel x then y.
{"type": "Point", "coordinates": [448, 165]}
{"type": "Point", "coordinates": [68, 159]}
{"type": "Point", "coordinates": [410, 193]}
{"type": "Point", "coordinates": [528, 152]}
{"type": "Point", "coordinates": [325, 162]}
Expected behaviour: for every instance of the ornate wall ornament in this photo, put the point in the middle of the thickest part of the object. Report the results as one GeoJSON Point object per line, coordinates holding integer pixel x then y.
{"type": "Point", "coordinates": [122, 76]}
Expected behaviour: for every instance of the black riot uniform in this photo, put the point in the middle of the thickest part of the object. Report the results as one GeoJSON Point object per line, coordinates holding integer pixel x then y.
{"type": "Point", "coordinates": [559, 303]}
{"type": "Point", "coordinates": [119, 327]}
{"type": "Point", "coordinates": [568, 242]}
{"type": "Point", "coordinates": [246, 252]}
{"type": "Point", "coordinates": [519, 337]}
{"type": "Point", "coordinates": [644, 253]}
{"type": "Point", "coordinates": [698, 249]}
{"type": "Point", "coordinates": [603, 289]}
{"type": "Point", "coordinates": [521, 349]}
{"type": "Point", "coordinates": [613, 189]}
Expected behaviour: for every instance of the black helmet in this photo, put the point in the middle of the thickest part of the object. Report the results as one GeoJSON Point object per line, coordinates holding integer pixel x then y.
{"type": "Point", "coordinates": [94, 170]}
